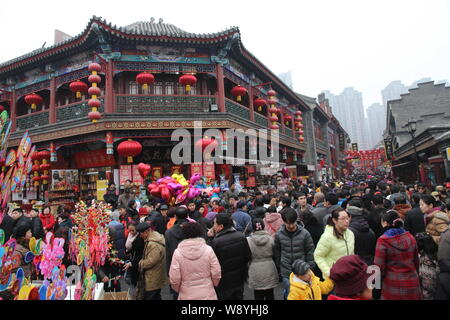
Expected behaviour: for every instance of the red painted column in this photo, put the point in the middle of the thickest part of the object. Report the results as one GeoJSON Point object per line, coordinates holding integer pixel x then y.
{"type": "Point", "coordinates": [422, 174]}
{"type": "Point", "coordinates": [109, 88]}
{"type": "Point", "coordinates": [52, 112]}
{"type": "Point", "coordinates": [250, 106]}
{"type": "Point", "coordinates": [220, 88]}
{"type": "Point", "coordinates": [13, 110]}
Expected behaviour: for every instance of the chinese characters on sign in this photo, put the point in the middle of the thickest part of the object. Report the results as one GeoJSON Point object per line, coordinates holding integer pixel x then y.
{"type": "Point", "coordinates": [388, 149]}
{"type": "Point", "coordinates": [355, 147]}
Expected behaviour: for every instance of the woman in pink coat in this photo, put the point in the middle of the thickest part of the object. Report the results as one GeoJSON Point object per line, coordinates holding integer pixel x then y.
{"type": "Point", "coordinates": [195, 269]}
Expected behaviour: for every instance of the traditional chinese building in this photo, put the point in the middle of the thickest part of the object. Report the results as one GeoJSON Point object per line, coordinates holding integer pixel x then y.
{"type": "Point", "coordinates": [219, 62]}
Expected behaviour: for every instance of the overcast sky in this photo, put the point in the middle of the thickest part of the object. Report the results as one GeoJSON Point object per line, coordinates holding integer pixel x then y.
{"type": "Point", "coordinates": [327, 44]}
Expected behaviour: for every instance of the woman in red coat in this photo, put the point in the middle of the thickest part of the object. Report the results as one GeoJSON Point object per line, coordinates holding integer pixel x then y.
{"type": "Point", "coordinates": [48, 220]}
{"type": "Point", "coordinates": [397, 257]}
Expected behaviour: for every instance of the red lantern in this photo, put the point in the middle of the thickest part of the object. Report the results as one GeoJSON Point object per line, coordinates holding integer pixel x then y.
{"type": "Point", "coordinates": [287, 117]}
{"type": "Point", "coordinates": [45, 166]}
{"type": "Point", "coordinates": [35, 168]}
{"type": "Point", "coordinates": [94, 103]}
{"type": "Point", "coordinates": [238, 91]}
{"type": "Point", "coordinates": [129, 149]}
{"type": "Point", "coordinates": [94, 67]}
{"type": "Point", "coordinates": [33, 99]}
{"type": "Point", "coordinates": [259, 103]}
{"type": "Point", "coordinates": [271, 93]}
{"type": "Point", "coordinates": [273, 118]}
{"type": "Point", "coordinates": [145, 79]}
{"type": "Point", "coordinates": [36, 179]}
{"type": "Point", "coordinates": [272, 102]}
{"type": "Point", "coordinates": [2, 108]}
{"type": "Point", "coordinates": [301, 139]}
{"type": "Point", "coordinates": [78, 87]}
{"type": "Point", "coordinates": [44, 154]}
{"type": "Point", "coordinates": [94, 79]}
{"type": "Point", "coordinates": [45, 178]}
{"type": "Point", "coordinates": [187, 80]}
{"type": "Point", "coordinates": [300, 132]}
{"type": "Point", "coordinates": [273, 110]}
{"type": "Point", "coordinates": [298, 113]}
{"type": "Point", "coordinates": [94, 92]}
{"type": "Point", "coordinates": [94, 116]}
{"type": "Point", "coordinates": [299, 125]}
{"type": "Point", "coordinates": [201, 144]}
{"type": "Point", "coordinates": [274, 127]}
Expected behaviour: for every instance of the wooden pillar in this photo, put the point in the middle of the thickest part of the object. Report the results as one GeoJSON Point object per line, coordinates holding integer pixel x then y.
{"type": "Point", "coordinates": [109, 88]}
{"type": "Point", "coordinates": [13, 110]}
{"type": "Point", "coordinates": [283, 129]}
{"type": "Point", "coordinates": [220, 88]}
{"type": "Point", "coordinates": [250, 105]}
{"type": "Point", "coordinates": [52, 112]}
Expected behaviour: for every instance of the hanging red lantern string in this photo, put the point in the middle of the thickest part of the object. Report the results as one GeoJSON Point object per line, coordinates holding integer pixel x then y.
{"type": "Point", "coordinates": [78, 87]}
{"type": "Point", "coordinates": [129, 149]}
{"type": "Point", "coordinates": [187, 80]}
{"type": "Point", "coordinates": [288, 119]}
{"type": "Point", "coordinates": [238, 92]}
{"type": "Point", "coordinates": [298, 125]}
{"type": "Point", "coordinates": [259, 103]}
{"type": "Point", "coordinates": [145, 79]}
{"type": "Point", "coordinates": [94, 91]}
{"type": "Point", "coordinates": [33, 99]}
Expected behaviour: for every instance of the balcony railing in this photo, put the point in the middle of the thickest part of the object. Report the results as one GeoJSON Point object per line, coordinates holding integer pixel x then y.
{"type": "Point", "coordinates": [261, 120]}
{"type": "Point", "coordinates": [76, 111]}
{"type": "Point", "coordinates": [289, 132]}
{"type": "Point", "coordinates": [321, 144]}
{"type": "Point", "coordinates": [237, 109]}
{"type": "Point", "coordinates": [32, 121]}
{"type": "Point", "coordinates": [163, 104]}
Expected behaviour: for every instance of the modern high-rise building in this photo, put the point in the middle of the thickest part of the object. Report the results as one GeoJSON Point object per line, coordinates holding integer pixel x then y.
{"type": "Point", "coordinates": [349, 110]}
{"type": "Point", "coordinates": [375, 123]}
{"type": "Point", "coordinates": [286, 77]}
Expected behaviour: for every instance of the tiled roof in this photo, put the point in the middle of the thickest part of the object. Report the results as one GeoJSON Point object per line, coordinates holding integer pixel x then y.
{"type": "Point", "coordinates": [144, 29]}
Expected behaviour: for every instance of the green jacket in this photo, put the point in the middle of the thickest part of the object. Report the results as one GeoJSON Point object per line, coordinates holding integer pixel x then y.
{"type": "Point", "coordinates": [330, 249]}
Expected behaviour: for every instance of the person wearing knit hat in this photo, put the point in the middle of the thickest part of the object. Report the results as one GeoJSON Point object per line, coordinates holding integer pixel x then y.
{"type": "Point", "coordinates": [143, 213]}
{"type": "Point", "coordinates": [305, 285]}
{"type": "Point", "coordinates": [350, 277]}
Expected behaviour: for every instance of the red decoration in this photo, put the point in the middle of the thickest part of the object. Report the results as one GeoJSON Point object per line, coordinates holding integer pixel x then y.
{"type": "Point", "coordinates": [93, 159]}
{"type": "Point", "coordinates": [35, 168]}
{"type": "Point", "coordinates": [36, 179]}
{"type": "Point", "coordinates": [94, 67]}
{"type": "Point", "coordinates": [129, 149]}
{"type": "Point", "coordinates": [2, 108]}
{"type": "Point", "coordinates": [144, 169]}
{"type": "Point", "coordinates": [33, 99]}
{"type": "Point", "coordinates": [238, 92]}
{"type": "Point", "coordinates": [78, 87]}
{"type": "Point", "coordinates": [94, 92]}
{"type": "Point", "coordinates": [145, 79]}
{"type": "Point", "coordinates": [273, 118]}
{"type": "Point", "coordinates": [45, 154]}
{"type": "Point", "coordinates": [94, 78]}
{"type": "Point", "coordinates": [201, 144]}
{"type": "Point", "coordinates": [271, 93]}
{"type": "Point", "coordinates": [94, 103]}
{"type": "Point", "coordinates": [259, 103]}
{"type": "Point", "coordinates": [301, 139]}
{"type": "Point", "coordinates": [94, 116]}
{"type": "Point", "coordinates": [273, 110]}
{"type": "Point", "coordinates": [298, 113]}
{"type": "Point", "coordinates": [274, 127]}
{"type": "Point", "coordinates": [45, 166]}
{"type": "Point", "coordinates": [187, 80]}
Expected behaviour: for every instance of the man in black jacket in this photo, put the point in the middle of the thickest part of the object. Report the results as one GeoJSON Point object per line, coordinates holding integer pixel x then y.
{"type": "Point", "coordinates": [292, 242]}
{"type": "Point", "coordinates": [10, 220]}
{"type": "Point", "coordinates": [195, 215]}
{"type": "Point", "coordinates": [414, 220]}
{"type": "Point", "coordinates": [232, 251]}
{"type": "Point", "coordinates": [36, 224]}
{"type": "Point", "coordinates": [374, 216]}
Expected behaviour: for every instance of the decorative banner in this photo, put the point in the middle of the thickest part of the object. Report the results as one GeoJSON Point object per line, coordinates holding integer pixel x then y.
{"type": "Point", "coordinates": [355, 147]}
{"type": "Point", "coordinates": [157, 172]}
{"type": "Point", "coordinates": [251, 181]}
{"type": "Point", "coordinates": [196, 168]}
{"type": "Point", "coordinates": [137, 178]}
{"type": "Point", "coordinates": [93, 159]}
{"type": "Point", "coordinates": [388, 149]}
{"type": "Point", "coordinates": [209, 171]}
{"type": "Point", "coordinates": [223, 182]}
{"type": "Point", "coordinates": [109, 143]}
{"type": "Point", "coordinates": [125, 174]}
{"type": "Point", "coordinates": [64, 180]}
{"type": "Point", "coordinates": [176, 170]}
{"type": "Point", "coordinates": [102, 187]}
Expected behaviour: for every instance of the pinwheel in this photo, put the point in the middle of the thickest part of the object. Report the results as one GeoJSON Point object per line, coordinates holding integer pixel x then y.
{"type": "Point", "coordinates": [52, 255]}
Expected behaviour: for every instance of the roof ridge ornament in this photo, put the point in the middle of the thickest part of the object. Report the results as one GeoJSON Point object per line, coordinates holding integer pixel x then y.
{"type": "Point", "coordinates": [106, 48]}
{"type": "Point", "coordinates": [221, 58]}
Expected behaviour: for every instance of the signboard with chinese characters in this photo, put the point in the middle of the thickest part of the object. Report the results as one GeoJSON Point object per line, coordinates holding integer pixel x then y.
{"type": "Point", "coordinates": [137, 178]}
{"type": "Point", "coordinates": [102, 186]}
{"type": "Point", "coordinates": [341, 141]}
{"type": "Point", "coordinates": [94, 159]}
{"type": "Point", "coordinates": [157, 173]}
{"type": "Point", "coordinates": [208, 170]}
{"type": "Point", "coordinates": [388, 149]}
{"type": "Point", "coordinates": [355, 147]}
{"type": "Point", "coordinates": [125, 174]}
{"type": "Point", "coordinates": [196, 168]}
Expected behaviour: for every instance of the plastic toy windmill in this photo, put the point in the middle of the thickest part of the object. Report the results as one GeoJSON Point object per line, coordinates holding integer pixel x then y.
{"type": "Point", "coordinates": [57, 288]}
{"type": "Point", "coordinates": [8, 261]}
{"type": "Point", "coordinates": [52, 255]}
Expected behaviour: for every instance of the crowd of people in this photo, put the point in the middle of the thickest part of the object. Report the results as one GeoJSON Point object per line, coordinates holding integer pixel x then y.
{"type": "Point", "coordinates": [315, 240]}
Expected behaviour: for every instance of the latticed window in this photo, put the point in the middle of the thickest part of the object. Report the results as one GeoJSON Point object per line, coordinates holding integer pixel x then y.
{"type": "Point", "coordinates": [169, 86]}
{"type": "Point", "coordinates": [158, 88]}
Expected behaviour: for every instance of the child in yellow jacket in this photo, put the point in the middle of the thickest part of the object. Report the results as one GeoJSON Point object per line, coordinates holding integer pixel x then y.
{"type": "Point", "coordinates": [305, 285]}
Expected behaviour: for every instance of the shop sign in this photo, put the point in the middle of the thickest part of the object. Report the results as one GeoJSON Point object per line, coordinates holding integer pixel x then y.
{"type": "Point", "coordinates": [355, 147]}
{"type": "Point", "coordinates": [448, 154]}
{"type": "Point", "coordinates": [388, 149]}
{"type": "Point", "coordinates": [125, 174]}
{"type": "Point", "coordinates": [102, 186]}
{"type": "Point", "coordinates": [208, 170]}
{"type": "Point", "coordinates": [109, 143]}
{"type": "Point", "coordinates": [341, 141]}
{"type": "Point", "coordinates": [196, 168]}
{"type": "Point", "coordinates": [137, 178]}
{"type": "Point", "coordinates": [157, 173]}
{"type": "Point", "coordinates": [94, 159]}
